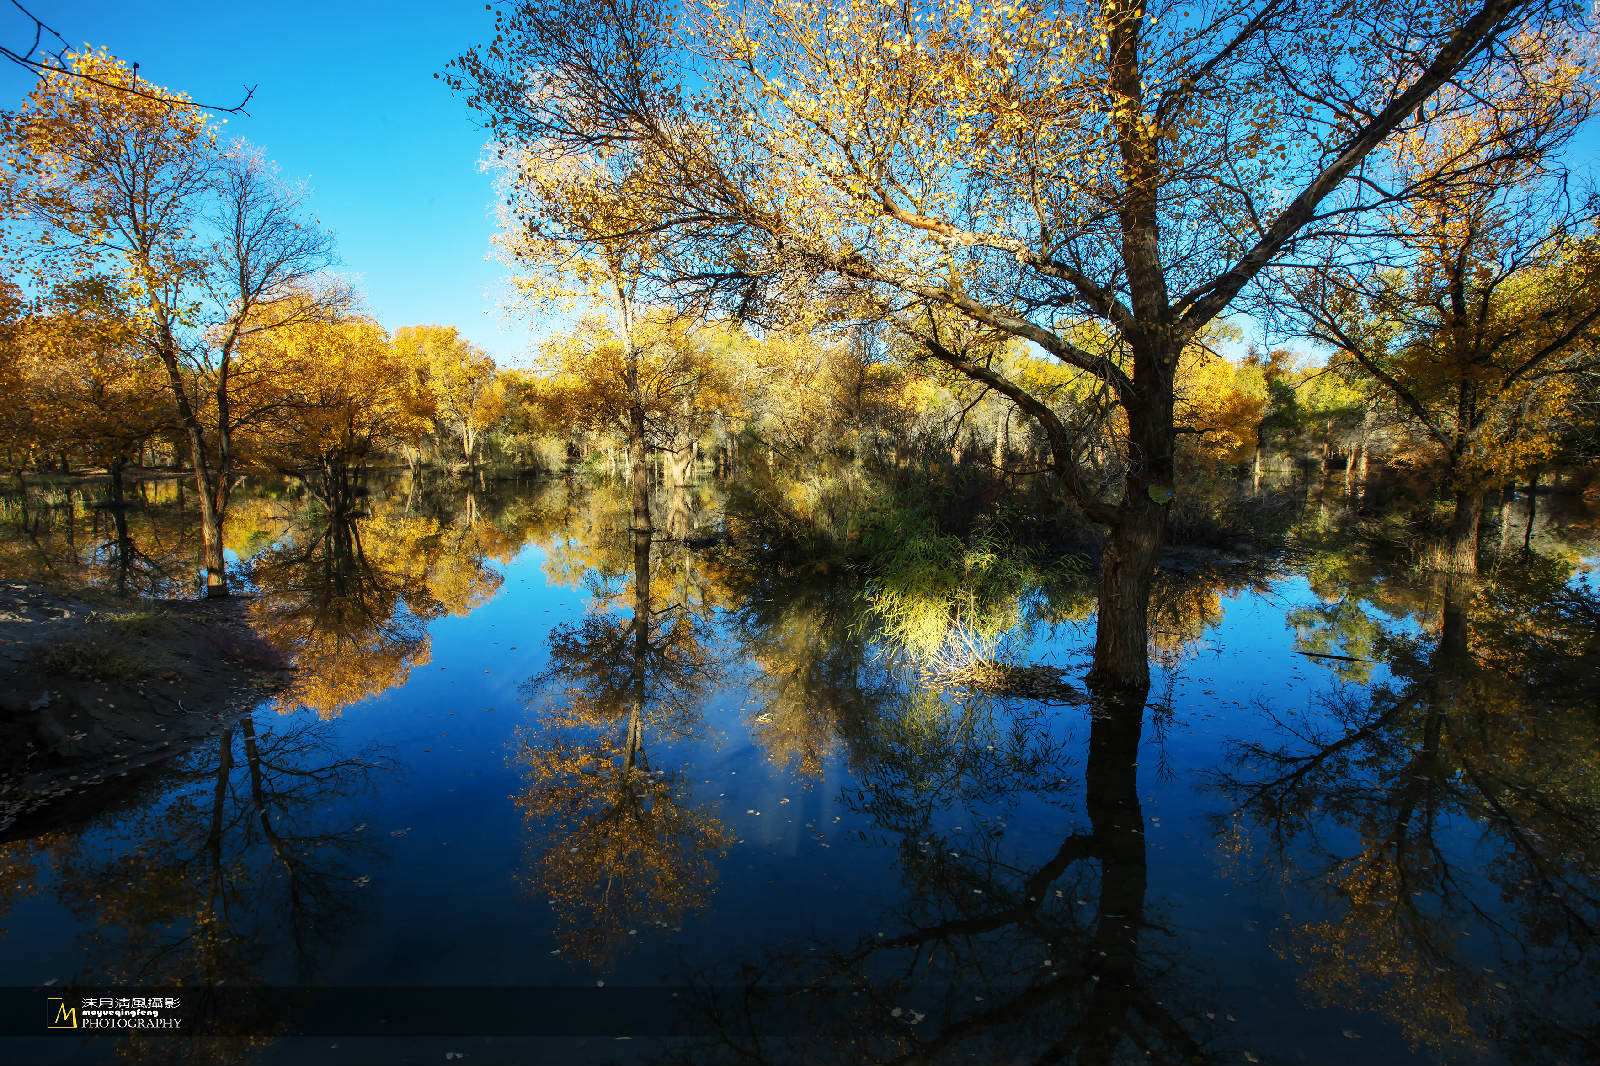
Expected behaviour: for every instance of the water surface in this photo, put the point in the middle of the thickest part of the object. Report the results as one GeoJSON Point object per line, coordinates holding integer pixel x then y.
{"type": "Point", "coordinates": [1355, 822]}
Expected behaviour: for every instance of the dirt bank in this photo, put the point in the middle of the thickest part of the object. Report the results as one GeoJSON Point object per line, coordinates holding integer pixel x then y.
{"type": "Point", "coordinates": [94, 689]}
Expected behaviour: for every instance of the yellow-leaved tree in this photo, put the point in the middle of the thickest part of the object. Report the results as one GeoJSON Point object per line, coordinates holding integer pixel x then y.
{"type": "Point", "coordinates": [1481, 306]}
{"type": "Point", "coordinates": [343, 397]}
{"type": "Point", "coordinates": [1029, 169]}
{"type": "Point", "coordinates": [676, 383]}
{"type": "Point", "coordinates": [460, 384]}
{"type": "Point", "coordinates": [577, 227]}
{"type": "Point", "coordinates": [89, 387]}
{"type": "Point", "coordinates": [108, 173]}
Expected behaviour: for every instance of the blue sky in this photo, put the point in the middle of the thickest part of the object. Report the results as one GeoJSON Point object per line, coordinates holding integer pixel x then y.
{"type": "Point", "coordinates": [346, 99]}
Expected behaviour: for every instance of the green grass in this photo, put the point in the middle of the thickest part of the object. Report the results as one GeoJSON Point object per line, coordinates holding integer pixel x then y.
{"type": "Point", "coordinates": [949, 604]}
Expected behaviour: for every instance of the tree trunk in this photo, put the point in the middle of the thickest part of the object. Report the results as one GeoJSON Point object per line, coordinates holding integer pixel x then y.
{"type": "Point", "coordinates": [1121, 669]}
{"type": "Point", "coordinates": [679, 462]}
{"type": "Point", "coordinates": [1127, 574]}
{"type": "Point", "coordinates": [639, 469]}
{"type": "Point", "coordinates": [1507, 496]}
{"type": "Point", "coordinates": [209, 491]}
{"type": "Point", "coordinates": [1364, 448]}
{"type": "Point", "coordinates": [212, 558]}
{"type": "Point", "coordinates": [679, 517]}
{"type": "Point", "coordinates": [1459, 553]}
{"type": "Point", "coordinates": [1533, 507]}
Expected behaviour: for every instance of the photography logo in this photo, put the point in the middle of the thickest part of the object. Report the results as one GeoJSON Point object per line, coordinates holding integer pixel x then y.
{"type": "Point", "coordinates": [65, 1017]}
{"type": "Point", "coordinates": [114, 1012]}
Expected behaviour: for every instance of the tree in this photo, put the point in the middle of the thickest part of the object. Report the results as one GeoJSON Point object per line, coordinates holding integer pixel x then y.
{"type": "Point", "coordinates": [466, 393]}
{"type": "Point", "coordinates": [1483, 304]}
{"type": "Point", "coordinates": [88, 386]}
{"type": "Point", "coordinates": [111, 172]}
{"type": "Point", "coordinates": [1267, 377]}
{"type": "Point", "coordinates": [572, 225]}
{"type": "Point", "coordinates": [677, 383]}
{"type": "Point", "coordinates": [1027, 170]}
{"type": "Point", "coordinates": [344, 398]}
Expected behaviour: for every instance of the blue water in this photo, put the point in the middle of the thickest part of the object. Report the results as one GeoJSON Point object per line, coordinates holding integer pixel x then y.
{"type": "Point", "coordinates": [807, 843]}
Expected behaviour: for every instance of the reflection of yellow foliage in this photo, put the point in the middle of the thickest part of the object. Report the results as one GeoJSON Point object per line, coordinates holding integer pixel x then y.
{"type": "Point", "coordinates": [807, 681]}
{"type": "Point", "coordinates": [19, 875]}
{"type": "Point", "coordinates": [1375, 943]}
{"type": "Point", "coordinates": [1457, 751]}
{"type": "Point", "coordinates": [1183, 605]}
{"type": "Point", "coordinates": [348, 599]}
{"type": "Point", "coordinates": [625, 849]}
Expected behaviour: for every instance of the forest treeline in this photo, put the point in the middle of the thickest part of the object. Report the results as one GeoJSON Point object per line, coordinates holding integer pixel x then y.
{"type": "Point", "coordinates": [844, 341]}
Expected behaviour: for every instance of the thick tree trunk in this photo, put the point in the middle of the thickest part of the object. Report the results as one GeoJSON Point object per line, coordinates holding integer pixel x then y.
{"type": "Point", "coordinates": [1133, 545]}
{"type": "Point", "coordinates": [1364, 449]}
{"type": "Point", "coordinates": [679, 463]}
{"type": "Point", "coordinates": [1507, 496]}
{"type": "Point", "coordinates": [1459, 552]}
{"type": "Point", "coordinates": [119, 522]}
{"type": "Point", "coordinates": [639, 470]}
{"type": "Point", "coordinates": [1127, 574]}
{"type": "Point", "coordinates": [212, 558]}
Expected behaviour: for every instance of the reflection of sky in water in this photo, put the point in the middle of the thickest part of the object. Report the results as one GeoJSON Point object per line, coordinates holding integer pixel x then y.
{"type": "Point", "coordinates": [445, 904]}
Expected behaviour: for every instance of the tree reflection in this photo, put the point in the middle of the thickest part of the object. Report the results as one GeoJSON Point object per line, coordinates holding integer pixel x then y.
{"type": "Point", "coordinates": [347, 594]}
{"type": "Point", "coordinates": [139, 543]}
{"type": "Point", "coordinates": [1003, 950]}
{"type": "Point", "coordinates": [620, 845]}
{"type": "Point", "coordinates": [241, 864]}
{"type": "Point", "coordinates": [814, 665]}
{"type": "Point", "coordinates": [1446, 819]}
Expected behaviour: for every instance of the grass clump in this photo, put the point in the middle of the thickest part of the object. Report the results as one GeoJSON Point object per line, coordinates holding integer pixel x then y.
{"type": "Point", "coordinates": [136, 625]}
{"type": "Point", "coordinates": [103, 655]}
{"type": "Point", "coordinates": [950, 605]}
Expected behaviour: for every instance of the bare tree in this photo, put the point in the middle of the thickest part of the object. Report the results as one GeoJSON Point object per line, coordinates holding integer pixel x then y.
{"type": "Point", "coordinates": [266, 267]}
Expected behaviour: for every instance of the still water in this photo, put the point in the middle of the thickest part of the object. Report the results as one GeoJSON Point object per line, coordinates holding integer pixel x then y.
{"type": "Point", "coordinates": [1357, 821]}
